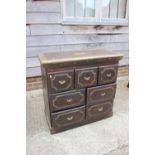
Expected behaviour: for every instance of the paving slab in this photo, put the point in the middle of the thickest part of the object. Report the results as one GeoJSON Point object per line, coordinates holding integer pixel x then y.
{"type": "Point", "coordinates": [105, 137]}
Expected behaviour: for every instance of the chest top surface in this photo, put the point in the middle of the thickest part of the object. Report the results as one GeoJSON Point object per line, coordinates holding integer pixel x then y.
{"type": "Point", "coordinates": [81, 55]}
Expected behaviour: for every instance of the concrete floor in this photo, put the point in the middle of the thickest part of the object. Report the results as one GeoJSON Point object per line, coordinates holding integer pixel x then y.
{"type": "Point", "coordinates": [105, 137]}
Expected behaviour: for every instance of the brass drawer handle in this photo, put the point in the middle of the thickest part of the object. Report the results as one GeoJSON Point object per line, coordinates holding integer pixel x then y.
{"type": "Point", "coordinates": [103, 94]}
{"type": "Point", "coordinates": [100, 109]}
{"type": "Point", "coordinates": [69, 100]}
{"type": "Point", "coordinates": [62, 82]}
{"type": "Point", "coordinates": [109, 75]}
{"type": "Point", "coordinates": [69, 118]}
{"type": "Point", "coordinates": [87, 78]}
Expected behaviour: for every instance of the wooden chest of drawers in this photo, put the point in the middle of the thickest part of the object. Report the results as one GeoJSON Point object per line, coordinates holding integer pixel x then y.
{"type": "Point", "coordinates": [78, 86]}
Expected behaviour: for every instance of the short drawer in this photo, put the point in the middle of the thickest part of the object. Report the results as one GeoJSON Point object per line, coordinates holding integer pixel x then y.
{"type": "Point", "coordinates": [107, 74]}
{"type": "Point", "coordinates": [67, 100]}
{"type": "Point", "coordinates": [101, 93]}
{"type": "Point", "coordinates": [85, 77]}
{"type": "Point", "coordinates": [99, 110]}
{"type": "Point", "coordinates": [68, 117]}
{"type": "Point", "coordinates": [61, 81]}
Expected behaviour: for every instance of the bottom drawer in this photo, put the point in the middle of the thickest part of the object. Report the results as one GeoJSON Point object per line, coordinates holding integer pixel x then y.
{"type": "Point", "coordinates": [99, 110]}
{"type": "Point", "coordinates": [68, 117]}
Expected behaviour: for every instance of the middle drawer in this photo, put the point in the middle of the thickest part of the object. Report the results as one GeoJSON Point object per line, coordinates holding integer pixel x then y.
{"type": "Point", "coordinates": [67, 99]}
{"type": "Point", "coordinates": [102, 93]}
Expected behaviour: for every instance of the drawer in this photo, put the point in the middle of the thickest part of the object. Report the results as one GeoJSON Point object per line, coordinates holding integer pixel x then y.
{"type": "Point", "coordinates": [67, 100]}
{"type": "Point", "coordinates": [61, 81]}
{"type": "Point", "coordinates": [99, 110]}
{"type": "Point", "coordinates": [68, 117]}
{"type": "Point", "coordinates": [107, 74]}
{"type": "Point", "coordinates": [100, 93]}
{"type": "Point", "coordinates": [85, 77]}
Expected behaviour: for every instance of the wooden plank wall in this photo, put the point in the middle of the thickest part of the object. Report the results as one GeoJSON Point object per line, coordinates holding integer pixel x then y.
{"type": "Point", "coordinates": [45, 33]}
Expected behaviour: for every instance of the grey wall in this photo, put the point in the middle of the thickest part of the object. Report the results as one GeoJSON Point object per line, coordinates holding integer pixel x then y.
{"type": "Point", "coordinates": [45, 33]}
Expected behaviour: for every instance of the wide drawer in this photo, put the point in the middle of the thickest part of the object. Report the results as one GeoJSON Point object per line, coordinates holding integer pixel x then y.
{"type": "Point", "coordinates": [101, 93]}
{"type": "Point", "coordinates": [107, 74]}
{"type": "Point", "coordinates": [68, 117]}
{"type": "Point", "coordinates": [99, 110]}
{"type": "Point", "coordinates": [85, 77]}
{"type": "Point", "coordinates": [61, 81]}
{"type": "Point", "coordinates": [67, 100]}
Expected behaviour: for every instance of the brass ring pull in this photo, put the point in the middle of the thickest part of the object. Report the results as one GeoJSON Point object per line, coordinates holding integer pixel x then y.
{"type": "Point", "coordinates": [62, 82]}
{"type": "Point", "coordinates": [69, 100]}
{"type": "Point", "coordinates": [70, 118]}
{"type": "Point", "coordinates": [109, 75]}
{"type": "Point", "coordinates": [103, 94]}
{"type": "Point", "coordinates": [87, 78]}
{"type": "Point", "coordinates": [100, 109]}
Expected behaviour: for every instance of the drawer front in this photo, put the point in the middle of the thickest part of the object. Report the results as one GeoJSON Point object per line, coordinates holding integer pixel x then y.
{"type": "Point", "coordinates": [101, 93]}
{"type": "Point", "coordinates": [61, 81]}
{"type": "Point", "coordinates": [68, 117]}
{"type": "Point", "coordinates": [99, 110]}
{"type": "Point", "coordinates": [85, 77]}
{"type": "Point", "coordinates": [107, 74]}
{"type": "Point", "coordinates": [66, 100]}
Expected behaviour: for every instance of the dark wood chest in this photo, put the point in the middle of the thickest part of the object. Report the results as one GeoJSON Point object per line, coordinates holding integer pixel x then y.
{"type": "Point", "coordinates": [78, 86]}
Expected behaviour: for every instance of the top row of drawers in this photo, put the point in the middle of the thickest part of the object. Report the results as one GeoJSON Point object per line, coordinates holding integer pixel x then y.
{"type": "Point", "coordinates": [81, 78]}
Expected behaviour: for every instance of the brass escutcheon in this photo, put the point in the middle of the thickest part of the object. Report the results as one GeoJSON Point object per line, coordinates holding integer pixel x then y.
{"type": "Point", "coordinates": [69, 100]}
{"type": "Point", "coordinates": [70, 118]}
{"type": "Point", "coordinates": [87, 78]}
{"type": "Point", "coordinates": [100, 109]}
{"type": "Point", "coordinates": [103, 94]}
{"type": "Point", "coordinates": [109, 75]}
{"type": "Point", "coordinates": [62, 82]}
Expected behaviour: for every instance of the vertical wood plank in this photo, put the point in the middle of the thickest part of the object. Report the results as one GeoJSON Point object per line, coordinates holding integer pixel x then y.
{"type": "Point", "coordinates": [63, 8]}
{"type": "Point", "coordinates": [121, 8]}
{"type": "Point", "coordinates": [113, 8]}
